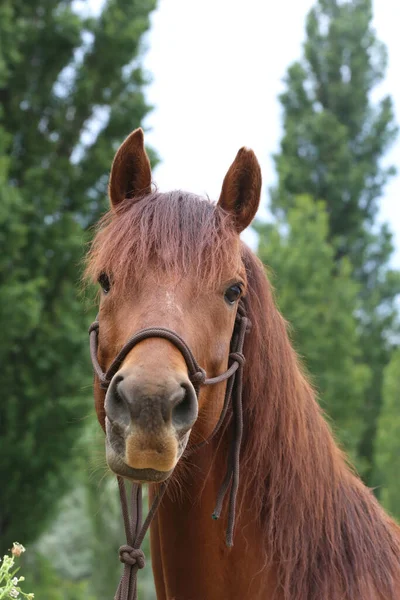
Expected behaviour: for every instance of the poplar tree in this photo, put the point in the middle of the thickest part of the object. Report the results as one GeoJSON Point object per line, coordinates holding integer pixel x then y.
{"type": "Point", "coordinates": [388, 439]}
{"type": "Point", "coordinates": [334, 139]}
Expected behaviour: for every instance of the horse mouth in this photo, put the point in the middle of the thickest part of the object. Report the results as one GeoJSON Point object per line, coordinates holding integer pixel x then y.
{"type": "Point", "coordinates": [124, 463]}
{"type": "Point", "coordinates": [119, 467]}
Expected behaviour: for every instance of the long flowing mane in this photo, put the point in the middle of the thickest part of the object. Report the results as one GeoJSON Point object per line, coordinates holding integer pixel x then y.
{"type": "Point", "coordinates": [324, 531]}
{"type": "Point", "coordinates": [323, 528]}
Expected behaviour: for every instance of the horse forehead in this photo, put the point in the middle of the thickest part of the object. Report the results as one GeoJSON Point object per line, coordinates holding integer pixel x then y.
{"type": "Point", "coordinates": [154, 302]}
{"type": "Point", "coordinates": [172, 301]}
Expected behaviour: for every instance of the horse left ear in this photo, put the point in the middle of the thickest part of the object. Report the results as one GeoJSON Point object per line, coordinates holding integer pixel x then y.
{"type": "Point", "coordinates": [241, 189]}
{"type": "Point", "coordinates": [130, 172]}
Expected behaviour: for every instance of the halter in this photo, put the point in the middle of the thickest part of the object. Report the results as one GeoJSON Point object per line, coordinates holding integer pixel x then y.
{"type": "Point", "coordinates": [131, 554]}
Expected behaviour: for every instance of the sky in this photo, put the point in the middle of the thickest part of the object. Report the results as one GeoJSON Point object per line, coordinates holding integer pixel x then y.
{"type": "Point", "coordinates": [217, 68]}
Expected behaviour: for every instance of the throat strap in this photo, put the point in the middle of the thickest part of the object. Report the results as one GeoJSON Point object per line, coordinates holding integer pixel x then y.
{"type": "Point", "coordinates": [130, 553]}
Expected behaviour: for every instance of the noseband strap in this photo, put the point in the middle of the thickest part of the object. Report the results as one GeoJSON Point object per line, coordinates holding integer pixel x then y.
{"type": "Point", "coordinates": [131, 554]}
{"type": "Point", "coordinates": [197, 375]}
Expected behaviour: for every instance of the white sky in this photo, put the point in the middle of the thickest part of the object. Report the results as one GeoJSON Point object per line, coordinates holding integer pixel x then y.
{"type": "Point", "coordinates": [217, 68]}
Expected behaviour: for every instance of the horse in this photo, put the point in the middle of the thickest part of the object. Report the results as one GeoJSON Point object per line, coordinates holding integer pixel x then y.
{"type": "Point", "coordinates": [306, 528]}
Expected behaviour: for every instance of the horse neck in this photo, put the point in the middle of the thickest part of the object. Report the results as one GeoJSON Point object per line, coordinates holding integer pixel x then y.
{"type": "Point", "coordinates": [191, 556]}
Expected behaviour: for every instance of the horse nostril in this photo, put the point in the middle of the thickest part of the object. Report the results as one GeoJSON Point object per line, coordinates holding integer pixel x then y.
{"type": "Point", "coordinates": [185, 407]}
{"type": "Point", "coordinates": [116, 402]}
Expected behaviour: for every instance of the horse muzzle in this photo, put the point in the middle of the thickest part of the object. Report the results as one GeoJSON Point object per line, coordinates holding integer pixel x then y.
{"type": "Point", "coordinates": [150, 411]}
{"type": "Point", "coordinates": [148, 422]}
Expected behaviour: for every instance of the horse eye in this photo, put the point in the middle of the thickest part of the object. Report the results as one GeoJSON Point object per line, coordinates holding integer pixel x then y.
{"type": "Point", "coordinates": [104, 282]}
{"type": "Point", "coordinates": [233, 293]}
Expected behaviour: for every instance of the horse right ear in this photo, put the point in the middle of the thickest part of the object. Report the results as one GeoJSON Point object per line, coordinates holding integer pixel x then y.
{"type": "Point", "coordinates": [130, 172]}
{"type": "Point", "coordinates": [241, 189]}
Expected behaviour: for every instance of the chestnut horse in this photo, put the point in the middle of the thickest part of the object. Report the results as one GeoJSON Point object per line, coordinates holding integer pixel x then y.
{"type": "Point", "coordinates": [306, 526]}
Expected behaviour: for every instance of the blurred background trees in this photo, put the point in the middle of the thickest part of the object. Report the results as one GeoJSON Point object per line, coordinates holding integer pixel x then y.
{"type": "Point", "coordinates": [71, 88]}
{"type": "Point", "coordinates": [388, 437]}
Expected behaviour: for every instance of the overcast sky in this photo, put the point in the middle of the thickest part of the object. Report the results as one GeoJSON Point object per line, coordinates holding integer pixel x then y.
{"type": "Point", "coordinates": [217, 68]}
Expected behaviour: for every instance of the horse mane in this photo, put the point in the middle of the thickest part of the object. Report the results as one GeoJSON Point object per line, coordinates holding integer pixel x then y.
{"type": "Point", "coordinates": [324, 530]}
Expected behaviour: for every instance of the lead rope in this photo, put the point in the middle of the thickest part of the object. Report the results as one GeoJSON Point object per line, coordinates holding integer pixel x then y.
{"type": "Point", "coordinates": [131, 554]}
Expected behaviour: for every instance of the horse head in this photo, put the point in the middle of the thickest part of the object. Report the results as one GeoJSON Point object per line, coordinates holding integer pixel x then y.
{"type": "Point", "coordinates": [171, 262]}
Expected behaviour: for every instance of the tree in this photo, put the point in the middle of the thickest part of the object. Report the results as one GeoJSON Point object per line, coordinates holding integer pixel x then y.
{"type": "Point", "coordinates": [319, 302]}
{"type": "Point", "coordinates": [334, 140]}
{"type": "Point", "coordinates": [388, 438]}
{"type": "Point", "coordinates": [70, 89]}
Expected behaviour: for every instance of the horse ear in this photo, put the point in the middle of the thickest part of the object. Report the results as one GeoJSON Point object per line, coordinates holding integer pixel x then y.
{"type": "Point", "coordinates": [241, 189]}
{"type": "Point", "coordinates": [130, 172]}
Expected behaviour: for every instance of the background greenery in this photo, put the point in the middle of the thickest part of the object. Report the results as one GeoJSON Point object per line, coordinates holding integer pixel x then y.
{"type": "Point", "coordinates": [71, 88]}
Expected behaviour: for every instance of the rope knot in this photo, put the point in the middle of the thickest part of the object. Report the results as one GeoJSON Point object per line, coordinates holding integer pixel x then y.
{"type": "Point", "coordinates": [199, 377]}
{"type": "Point", "coordinates": [132, 556]}
{"type": "Point", "coordinates": [238, 357]}
{"type": "Point", "coordinates": [244, 321]}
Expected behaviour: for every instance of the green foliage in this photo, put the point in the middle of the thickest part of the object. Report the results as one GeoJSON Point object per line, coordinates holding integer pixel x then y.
{"type": "Point", "coordinates": [334, 140]}
{"type": "Point", "coordinates": [59, 72]}
{"type": "Point", "coordinates": [388, 438]}
{"type": "Point", "coordinates": [318, 300]}
{"type": "Point", "coordinates": [48, 584]}
{"type": "Point", "coordinates": [9, 580]}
